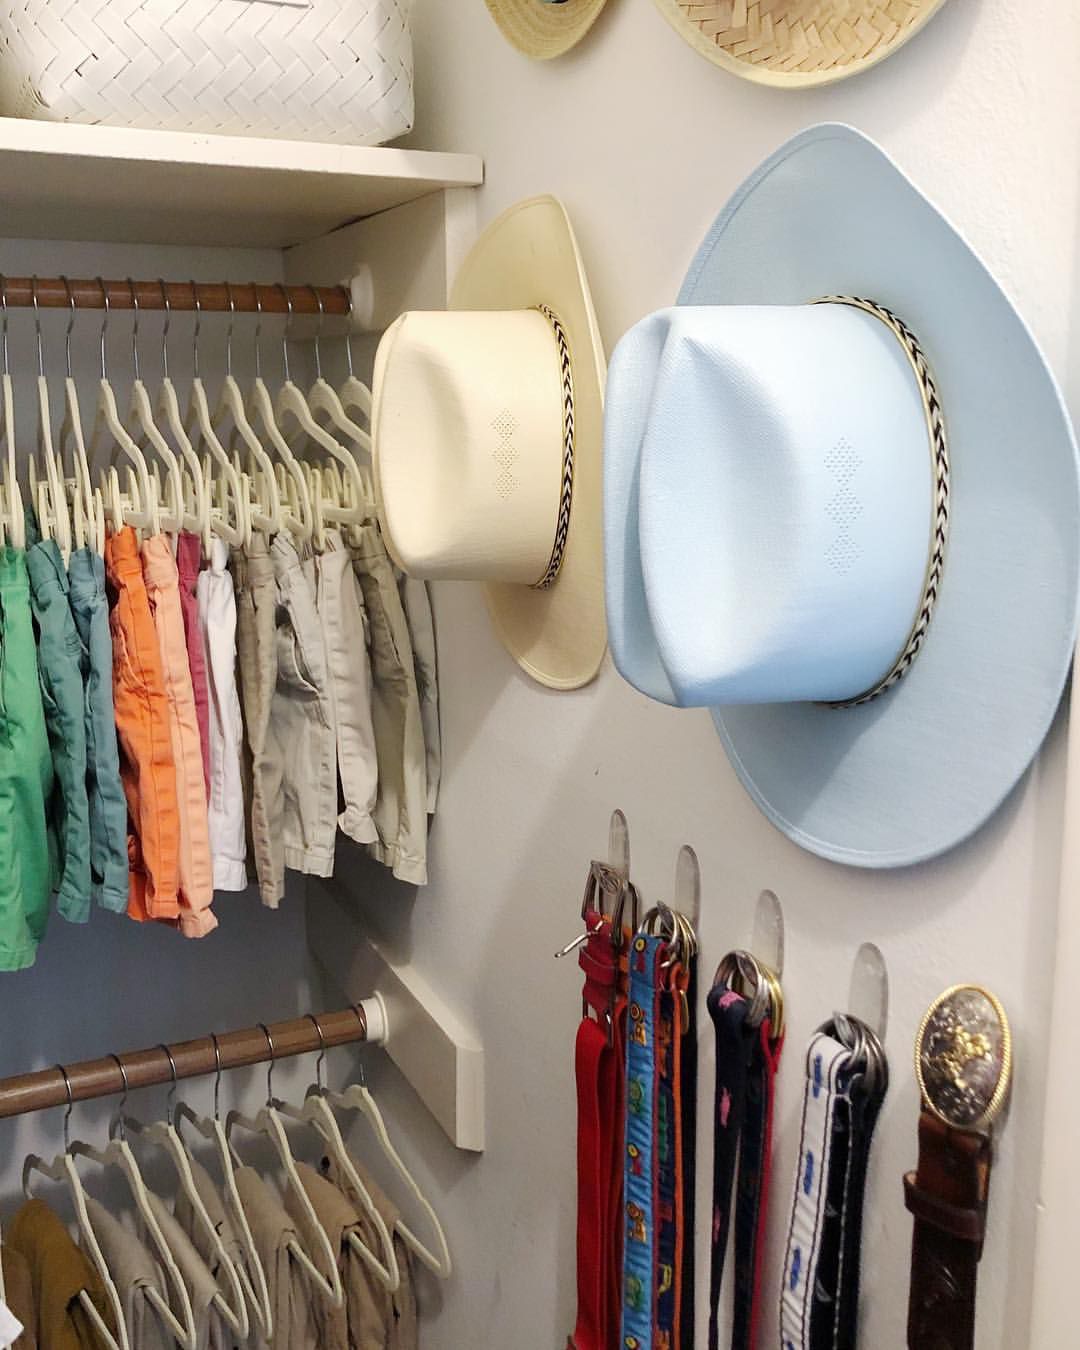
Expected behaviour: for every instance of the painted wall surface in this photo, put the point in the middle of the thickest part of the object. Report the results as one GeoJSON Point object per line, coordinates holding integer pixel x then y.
{"type": "Point", "coordinates": [644, 140]}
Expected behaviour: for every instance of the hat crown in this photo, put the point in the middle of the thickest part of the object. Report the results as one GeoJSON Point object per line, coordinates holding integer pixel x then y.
{"type": "Point", "coordinates": [784, 499]}
{"type": "Point", "coordinates": [468, 435]}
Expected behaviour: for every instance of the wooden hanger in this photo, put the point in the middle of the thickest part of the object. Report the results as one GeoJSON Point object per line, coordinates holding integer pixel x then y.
{"type": "Point", "coordinates": [251, 1274]}
{"type": "Point", "coordinates": [163, 1133]}
{"type": "Point", "coordinates": [63, 1170]}
{"type": "Point", "coordinates": [316, 1114]}
{"type": "Point", "coordinates": [269, 1124]}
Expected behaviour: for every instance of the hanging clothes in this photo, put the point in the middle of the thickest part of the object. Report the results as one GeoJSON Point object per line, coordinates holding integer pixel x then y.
{"type": "Point", "coordinates": [104, 790]}
{"type": "Point", "coordinates": [416, 602]}
{"type": "Point", "coordinates": [303, 715]}
{"type": "Point", "coordinates": [188, 559]}
{"type": "Point", "coordinates": [19, 1297]}
{"type": "Point", "coordinates": [340, 603]}
{"type": "Point", "coordinates": [211, 1333]}
{"type": "Point", "coordinates": [26, 775]}
{"type": "Point", "coordinates": [63, 697]}
{"type": "Point", "coordinates": [147, 767]}
{"type": "Point", "coordinates": [256, 626]}
{"type": "Point", "coordinates": [59, 1273]}
{"type": "Point", "coordinates": [217, 623]}
{"type": "Point", "coordinates": [401, 808]}
{"type": "Point", "coordinates": [195, 870]}
{"type": "Point", "coordinates": [290, 1294]}
{"type": "Point", "coordinates": [135, 1273]}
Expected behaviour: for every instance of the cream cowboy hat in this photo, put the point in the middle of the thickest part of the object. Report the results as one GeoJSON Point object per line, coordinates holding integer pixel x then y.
{"type": "Point", "coordinates": [487, 426]}
{"type": "Point", "coordinates": [795, 43]}
{"type": "Point", "coordinates": [842, 509]}
{"type": "Point", "coordinates": [545, 28]}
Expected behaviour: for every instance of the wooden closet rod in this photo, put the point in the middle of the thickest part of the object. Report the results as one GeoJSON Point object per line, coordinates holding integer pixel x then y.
{"type": "Point", "coordinates": [148, 1068]}
{"type": "Point", "coordinates": [214, 296]}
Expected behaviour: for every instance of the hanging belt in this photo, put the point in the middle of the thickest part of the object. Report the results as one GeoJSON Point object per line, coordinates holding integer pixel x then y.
{"type": "Point", "coordinates": [747, 1057]}
{"type": "Point", "coordinates": [846, 1081]}
{"type": "Point", "coordinates": [601, 1088]}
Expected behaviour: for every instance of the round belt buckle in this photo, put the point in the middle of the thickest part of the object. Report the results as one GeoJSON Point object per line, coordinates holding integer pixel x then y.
{"type": "Point", "coordinates": [963, 1058]}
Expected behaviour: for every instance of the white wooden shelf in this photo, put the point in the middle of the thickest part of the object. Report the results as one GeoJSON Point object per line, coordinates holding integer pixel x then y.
{"type": "Point", "coordinates": [62, 181]}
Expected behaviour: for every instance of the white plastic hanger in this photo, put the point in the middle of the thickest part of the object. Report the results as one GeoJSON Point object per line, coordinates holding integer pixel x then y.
{"type": "Point", "coordinates": [297, 516]}
{"type": "Point", "coordinates": [252, 1275]}
{"type": "Point", "coordinates": [356, 1097]}
{"type": "Point", "coordinates": [118, 1154]}
{"type": "Point", "coordinates": [48, 495]}
{"type": "Point", "coordinates": [196, 497]}
{"type": "Point", "coordinates": [264, 502]}
{"type": "Point", "coordinates": [62, 1169]}
{"type": "Point", "coordinates": [14, 520]}
{"type": "Point", "coordinates": [87, 509]}
{"type": "Point", "coordinates": [138, 507]}
{"type": "Point", "coordinates": [291, 404]}
{"type": "Point", "coordinates": [320, 1118]}
{"type": "Point", "coordinates": [269, 1124]}
{"type": "Point", "coordinates": [232, 1309]}
{"type": "Point", "coordinates": [354, 394]}
{"type": "Point", "coordinates": [173, 516]}
{"type": "Point", "coordinates": [226, 506]}
{"type": "Point", "coordinates": [324, 400]}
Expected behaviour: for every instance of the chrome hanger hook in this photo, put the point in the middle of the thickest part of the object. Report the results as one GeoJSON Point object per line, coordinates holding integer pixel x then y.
{"type": "Point", "coordinates": [198, 328]}
{"type": "Point", "coordinates": [270, 1067]}
{"type": "Point", "coordinates": [104, 325]}
{"type": "Point", "coordinates": [165, 327]}
{"type": "Point", "coordinates": [37, 326]}
{"type": "Point", "coordinates": [361, 1017]}
{"type": "Point", "coordinates": [120, 1113]}
{"type": "Point", "coordinates": [172, 1087]}
{"type": "Point", "coordinates": [258, 334]}
{"type": "Point", "coordinates": [217, 1076]}
{"type": "Point", "coordinates": [348, 337]}
{"type": "Point", "coordinates": [285, 334]}
{"type": "Point", "coordinates": [134, 329]}
{"type": "Point", "coordinates": [318, 331]}
{"type": "Point", "coordinates": [229, 331]}
{"type": "Point", "coordinates": [4, 306]}
{"type": "Point", "coordinates": [322, 1051]}
{"type": "Point", "coordinates": [70, 324]}
{"type": "Point", "coordinates": [70, 1108]}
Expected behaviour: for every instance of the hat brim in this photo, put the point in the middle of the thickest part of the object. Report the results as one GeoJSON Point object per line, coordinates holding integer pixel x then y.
{"type": "Point", "coordinates": [797, 50]}
{"type": "Point", "coordinates": [544, 30]}
{"type": "Point", "coordinates": [529, 257]}
{"type": "Point", "coordinates": [911, 775]}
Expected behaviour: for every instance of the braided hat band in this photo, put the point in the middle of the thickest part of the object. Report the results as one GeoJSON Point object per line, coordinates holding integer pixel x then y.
{"type": "Point", "coordinates": [566, 490]}
{"type": "Point", "coordinates": [939, 451]}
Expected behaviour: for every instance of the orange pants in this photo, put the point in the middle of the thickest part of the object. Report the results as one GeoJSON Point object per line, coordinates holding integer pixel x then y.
{"type": "Point", "coordinates": [147, 767]}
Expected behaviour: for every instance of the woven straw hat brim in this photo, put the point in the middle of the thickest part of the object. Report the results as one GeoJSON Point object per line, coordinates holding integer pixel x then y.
{"type": "Point", "coordinates": [529, 257]}
{"type": "Point", "coordinates": [544, 30]}
{"type": "Point", "coordinates": [796, 43]}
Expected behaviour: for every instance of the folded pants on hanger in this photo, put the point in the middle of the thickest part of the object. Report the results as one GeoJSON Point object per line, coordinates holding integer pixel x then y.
{"type": "Point", "coordinates": [25, 775]}
{"type": "Point", "coordinates": [105, 792]}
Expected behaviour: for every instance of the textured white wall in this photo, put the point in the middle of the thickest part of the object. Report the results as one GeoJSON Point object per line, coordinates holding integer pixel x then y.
{"type": "Point", "coordinates": [644, 140]}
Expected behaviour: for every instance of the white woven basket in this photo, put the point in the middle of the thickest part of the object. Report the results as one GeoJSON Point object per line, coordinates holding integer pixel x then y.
{"type": "Point", "coordinates": [326, 70]}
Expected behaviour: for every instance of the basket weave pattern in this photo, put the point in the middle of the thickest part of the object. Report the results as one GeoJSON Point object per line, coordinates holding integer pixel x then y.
{"type": "Point", "coordinates": [335, 70]}
{"type": "Point", "coordinates": [803, 36]}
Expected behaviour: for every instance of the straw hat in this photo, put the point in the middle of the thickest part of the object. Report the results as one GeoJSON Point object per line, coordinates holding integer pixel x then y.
{"type": "Point", "coordinates": [848, 526]}
{"type": "Point", "coordinates": [545, 28]}
{"type": "Point", "coordinates": [795, 43]}
{"type": "Point", "coordinates": [487, 425]}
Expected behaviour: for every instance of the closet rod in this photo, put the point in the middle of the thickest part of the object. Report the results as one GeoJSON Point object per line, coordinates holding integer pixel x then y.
{"type": "Point", "coordinates": [213, 296]}
{"type": "Point", "coordinates": [92, 1078]}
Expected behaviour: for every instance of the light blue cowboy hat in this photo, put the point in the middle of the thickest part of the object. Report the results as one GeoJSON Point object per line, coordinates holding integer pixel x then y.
{"type": "Point", "coordinates": [871, 503]}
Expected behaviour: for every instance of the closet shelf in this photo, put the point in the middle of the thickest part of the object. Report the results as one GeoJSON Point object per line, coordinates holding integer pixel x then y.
{"type": "Point", "coordinates": [63, 181]}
